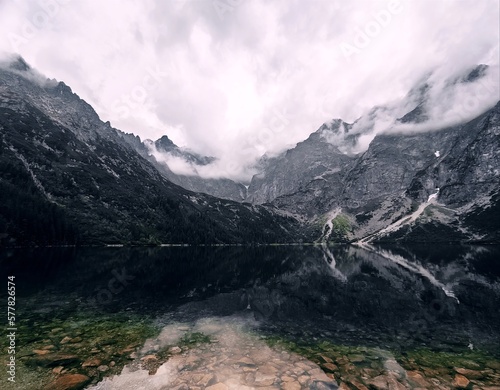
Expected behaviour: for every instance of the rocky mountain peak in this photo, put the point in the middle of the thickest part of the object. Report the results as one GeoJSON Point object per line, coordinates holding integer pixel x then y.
{"type": "Point", "coordinates": [476, 73]}
{"type": "Point", "coordinates": [165, 144]}
{"type": "Point", "coordinates": [16, 62]}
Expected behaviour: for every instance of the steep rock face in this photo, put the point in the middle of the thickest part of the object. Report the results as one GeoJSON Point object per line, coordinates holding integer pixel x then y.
{"type": "Point", "coordinates": [67, 177]}
{"type": "Point", "coordinates": [415, 185]}
{"type": "Point", "coordinates": [472, 166]}
{"type": "Point", "coordinates": [304, 168]}
{"type": "Point", "coordinates": [390, 163]}
{"type": "Point", "coordinates": [469, 177]}
{"type": "Point", "coordinates": [460, 165]}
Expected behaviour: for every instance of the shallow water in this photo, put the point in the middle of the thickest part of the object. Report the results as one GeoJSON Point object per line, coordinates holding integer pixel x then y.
{"type": "Point", "coordinates": [401, 307]}
{"type": "Point", "coordinates": [233, 356]}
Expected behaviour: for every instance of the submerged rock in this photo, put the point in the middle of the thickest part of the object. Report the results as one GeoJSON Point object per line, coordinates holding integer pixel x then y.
{"type": "Point", "coordinates": [460, 381]}
{"type": "Point", "coordinates": [470, 374]}
{"type": "Point", "coordinates": [58, 370]}
{"type": "Point", "coordinates": [238, 361]}
{"type": "Point", "coordinates": [41, 351]}
{"type": "Point", "coordinates": [66, 340]}
{"type": "Point", "coordinates": [218, 386]}
{"type": "Point", "coordinates": [68, 382]}
{"type": "Point", "coordinates": [55, 359]}
{"type": "Point", "coordinates": [91, 363]}
{"type": "Point", "coordinates": [291, 386]}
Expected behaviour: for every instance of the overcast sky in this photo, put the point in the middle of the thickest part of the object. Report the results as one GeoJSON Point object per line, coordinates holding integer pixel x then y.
{"type": "Point", "coordinates": [237, 78]}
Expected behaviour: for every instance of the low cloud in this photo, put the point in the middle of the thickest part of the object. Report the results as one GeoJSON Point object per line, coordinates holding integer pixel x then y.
{"type": "Point", "coordinates": [15, 64]}
{"type": "Point", "coordinates": [450, 102]}
{"type": "Point", "coordinates": [219, 168]}
{"type": "Point", "coordinates": [441, 102]}
{"type": "Point", "coordinates": [213, 78]}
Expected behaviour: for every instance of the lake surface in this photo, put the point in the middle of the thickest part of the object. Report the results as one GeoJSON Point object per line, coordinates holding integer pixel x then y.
{"type": "Point", "coordinates": [410, 305]}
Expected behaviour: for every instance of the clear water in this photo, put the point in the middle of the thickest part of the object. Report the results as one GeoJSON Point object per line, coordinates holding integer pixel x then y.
{"type": "Point", "coordinates": [399, 299]}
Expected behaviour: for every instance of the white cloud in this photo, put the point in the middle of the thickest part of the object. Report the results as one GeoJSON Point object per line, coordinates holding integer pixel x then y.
{"type": "Point", "coordinates": [225, 168]}
{"type": "Point", "coordinates": [449, 105]}
{"type": "Point", "coordinates": [253, 76]}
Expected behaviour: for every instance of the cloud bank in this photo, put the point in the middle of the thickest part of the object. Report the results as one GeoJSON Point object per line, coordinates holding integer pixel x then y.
{"type": "Point", "coordinates": [236, 79]}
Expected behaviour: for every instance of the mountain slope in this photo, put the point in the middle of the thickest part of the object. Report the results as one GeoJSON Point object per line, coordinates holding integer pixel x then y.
{"type": "Point", "coordinates": [67, 177]}
{"type": "Point", "coordinates": [452, 172]}
{"type": "Point", "coordinates": [409, 184]}
{"type": "Point", "coordinates": [309, 164]}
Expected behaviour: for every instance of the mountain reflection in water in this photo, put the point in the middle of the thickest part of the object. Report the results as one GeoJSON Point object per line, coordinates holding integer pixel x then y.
{"type": "Point", "coordinates": [441, 296]}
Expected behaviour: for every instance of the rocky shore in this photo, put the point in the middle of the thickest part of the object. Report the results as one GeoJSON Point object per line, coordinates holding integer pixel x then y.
{"type": "Point", "coordinates": [116, 351]}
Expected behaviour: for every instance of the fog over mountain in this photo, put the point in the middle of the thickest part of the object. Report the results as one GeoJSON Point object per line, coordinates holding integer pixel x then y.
{"type": "Point", "coordinates": [365, 121]}
{"type": "Point", "coordinates": [420, 181]}
{"type": "Point", "coordinates": [250, 194]}
{"type": "Point", "coordinates": [237, 80]}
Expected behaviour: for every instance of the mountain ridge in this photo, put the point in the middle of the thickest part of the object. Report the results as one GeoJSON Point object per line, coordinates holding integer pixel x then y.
{"type": "Point", "coordinates": [100, 185]}
{"type": "Point", "coordinates": [324, 181]}
{"type": "Point", "coordinates": [65, 170]}
{"type": "Point", "coordinates": [398, 172]}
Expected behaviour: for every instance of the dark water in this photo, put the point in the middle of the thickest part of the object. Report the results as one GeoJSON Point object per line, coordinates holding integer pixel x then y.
{"type": "Point", "coordinates": [442, 297]}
